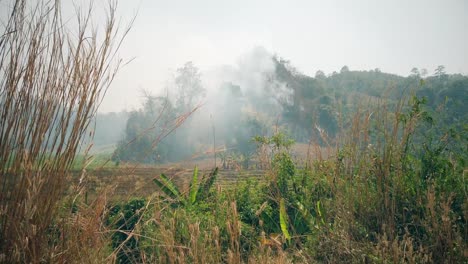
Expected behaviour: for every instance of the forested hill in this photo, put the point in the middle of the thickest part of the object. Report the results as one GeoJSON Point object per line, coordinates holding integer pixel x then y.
{"type": "Point", "coordinates": [320, 100]}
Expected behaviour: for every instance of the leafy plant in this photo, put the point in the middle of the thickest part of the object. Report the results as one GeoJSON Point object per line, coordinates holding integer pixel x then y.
{"type": "Point", "coordinates": [199, 190]}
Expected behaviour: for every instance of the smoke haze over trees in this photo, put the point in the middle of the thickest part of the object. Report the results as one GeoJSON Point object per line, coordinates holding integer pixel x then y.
{"type": "Point", "coordinates": [263, 92]}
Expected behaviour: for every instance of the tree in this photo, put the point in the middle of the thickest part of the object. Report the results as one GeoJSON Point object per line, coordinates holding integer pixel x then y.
{"type": "Point", "coordinates": [189, 87]}
{"type": "Point", "coordinates": [327, 120]}
{"type": "Point", "coordinates": [344, 69]}
{"type": "Point", "coordinates": [148, 135]}
{"type": "Point", "coordinates": [415, 72]}
{"type": "Point", "coordinates": [440, 71]}
{"type": "Point", "coordinates": [320, 75]}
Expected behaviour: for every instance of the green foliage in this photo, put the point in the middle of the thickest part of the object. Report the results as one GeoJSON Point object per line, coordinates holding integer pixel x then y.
{"type": "Point", "coordinates": [123, 218]}
{"type": "Point", "coordinates": [199, 190]}
{"type": "Point", "coordinates": [250, 197]}
{"type": "Point", "coordinates": [278, 142]}
{"type": "Point", "coordinates": [285, 170]}
{"type": "Point", "coordinates": [328, 119]}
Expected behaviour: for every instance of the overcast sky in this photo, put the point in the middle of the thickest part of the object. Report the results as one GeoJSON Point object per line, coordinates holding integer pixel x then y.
{"type": "Point", "coordinates": [314, 35]}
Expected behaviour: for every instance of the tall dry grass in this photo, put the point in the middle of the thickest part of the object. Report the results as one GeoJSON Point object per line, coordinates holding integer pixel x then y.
{"type": "Point", "coordinates": [53, 75]}
{"type": "Point", "coordinates": [384, 206]}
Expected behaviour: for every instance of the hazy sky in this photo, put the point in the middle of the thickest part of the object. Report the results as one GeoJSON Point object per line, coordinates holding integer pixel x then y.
{"type": "Point", "coordinates": [314, 35]}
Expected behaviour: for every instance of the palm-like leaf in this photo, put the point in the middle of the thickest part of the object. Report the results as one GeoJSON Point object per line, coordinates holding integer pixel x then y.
{"type": "Point", "coordinates": [284, 220]}
{"type": "Point", "coordinates": [167, 186]}
{"type": "Point", "coordinates": [194, 186]}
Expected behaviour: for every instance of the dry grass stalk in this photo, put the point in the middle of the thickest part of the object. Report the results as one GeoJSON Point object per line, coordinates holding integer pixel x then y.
{"type": "Point", "coordinates": [234, 231]}
{"type": "Point", "coordinates": [52, 81]}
